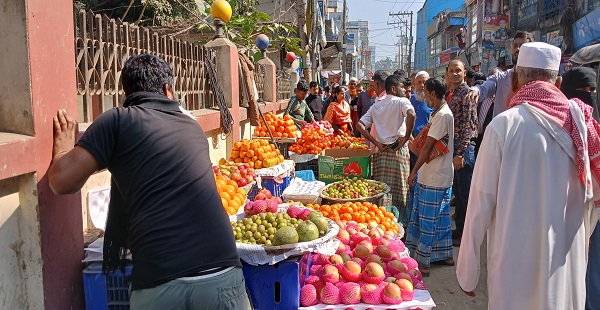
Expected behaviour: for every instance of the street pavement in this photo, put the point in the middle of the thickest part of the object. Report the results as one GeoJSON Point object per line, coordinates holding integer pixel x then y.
{"type": "Point", "coordinates": [446, 292]}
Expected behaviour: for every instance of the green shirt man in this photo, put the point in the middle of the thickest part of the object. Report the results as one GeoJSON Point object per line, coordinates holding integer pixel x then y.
{"type": "Point", "coordinates": [297, 107]}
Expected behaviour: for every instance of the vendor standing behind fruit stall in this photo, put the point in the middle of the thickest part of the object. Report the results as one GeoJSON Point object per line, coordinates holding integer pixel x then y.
{"type": "Point", "coordinates": [297, 107]}
{"type": "Point", "coordinates": [164, 205]}
{"type": "Point", "coordinates": [338, 112]}
{"type": "Point", "coordinates": [391, 164]}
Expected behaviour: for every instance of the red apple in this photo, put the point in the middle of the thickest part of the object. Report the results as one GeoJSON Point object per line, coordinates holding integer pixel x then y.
{"type": "Point", "coordinates": [249, 178]}
{"type": "Point", "coordinates": [242, 182]}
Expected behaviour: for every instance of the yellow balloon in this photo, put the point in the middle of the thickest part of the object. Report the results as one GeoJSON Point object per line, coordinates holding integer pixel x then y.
{"type": "Point", "coordinates": [220, 9]}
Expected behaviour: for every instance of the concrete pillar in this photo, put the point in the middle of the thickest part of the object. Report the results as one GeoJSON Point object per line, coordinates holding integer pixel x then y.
{"type": "Point", "coordinates": [228, 74]}
{"type": "Point", "coordinates": [42, 236]}
{"type": "Point", "coordinates": [270, 82]}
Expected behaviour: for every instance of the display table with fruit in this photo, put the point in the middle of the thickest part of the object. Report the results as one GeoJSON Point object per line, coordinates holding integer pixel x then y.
{"type": "Point", "coordinates": [370, 270]}
{"type": "Point", "coordinates": [268, 233]}
{"type": "Point", "coordinates": [354, 189]}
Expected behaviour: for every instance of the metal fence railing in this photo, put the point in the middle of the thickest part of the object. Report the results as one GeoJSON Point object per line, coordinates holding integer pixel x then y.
{"type": "Point", "coordinates": [259, 78]}
{"type": "Point", "coordinates": [284, 90]}
{"type": "Point", "coordinates": [103, 45]}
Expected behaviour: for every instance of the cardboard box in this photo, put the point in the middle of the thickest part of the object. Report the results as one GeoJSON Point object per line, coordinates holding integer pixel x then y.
{"type": "Point", "coordinates": [336, 164]}
{"type": "Point", "coordinates": [275, 287]}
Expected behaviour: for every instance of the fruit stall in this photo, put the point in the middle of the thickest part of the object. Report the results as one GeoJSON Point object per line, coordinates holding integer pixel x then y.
{"type": "Point", "coordinates": [312, 229]}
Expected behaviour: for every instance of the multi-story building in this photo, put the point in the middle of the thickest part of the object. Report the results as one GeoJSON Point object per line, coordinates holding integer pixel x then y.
{"type": "Point", "coordinates": [358, 32]}
{"type": "Point", "coordinates": [425, 17]}
{"type": "Point", "coordinates": [446, 40]}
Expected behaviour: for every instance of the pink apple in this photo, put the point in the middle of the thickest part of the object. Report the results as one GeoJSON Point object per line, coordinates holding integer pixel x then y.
{"type": "Point", "coordinates": [242, 182]}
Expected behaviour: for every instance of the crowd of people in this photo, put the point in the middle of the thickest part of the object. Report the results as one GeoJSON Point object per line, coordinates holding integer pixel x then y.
{"type": "Point", "coordinates": [517, 153]}
{"type": "Point", "coordinates": [514, 151]}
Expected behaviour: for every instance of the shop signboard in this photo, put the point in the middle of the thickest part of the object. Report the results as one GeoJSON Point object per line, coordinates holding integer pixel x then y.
{"type": "Point", "coordinates": [586, 30]}
{"type": "Point", "coordinates": [495, 32]}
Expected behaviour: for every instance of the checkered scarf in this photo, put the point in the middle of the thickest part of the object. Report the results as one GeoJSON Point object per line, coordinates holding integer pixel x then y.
{"type": "Point", "coordinates": [548, 99]}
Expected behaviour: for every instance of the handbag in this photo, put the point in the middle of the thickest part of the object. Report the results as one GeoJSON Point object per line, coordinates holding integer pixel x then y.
{"type": "Point", "coordinates": [440, 148]}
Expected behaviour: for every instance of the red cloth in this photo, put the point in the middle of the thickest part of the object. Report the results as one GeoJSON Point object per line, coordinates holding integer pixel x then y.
{"type": "Point", "coordinates": [553, 103]}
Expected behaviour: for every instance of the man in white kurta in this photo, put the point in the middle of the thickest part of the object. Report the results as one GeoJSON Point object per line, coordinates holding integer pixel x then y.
{"type": "Point", "coordinates": [527, 196]}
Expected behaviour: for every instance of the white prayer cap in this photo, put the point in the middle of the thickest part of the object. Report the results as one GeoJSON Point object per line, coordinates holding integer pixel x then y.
{"type": "Point", "coordinates": [422, 73]}
{"type": "Point", "coordinates": [354, 79]}
{"type": "Point", "coordinates": [539, 55]}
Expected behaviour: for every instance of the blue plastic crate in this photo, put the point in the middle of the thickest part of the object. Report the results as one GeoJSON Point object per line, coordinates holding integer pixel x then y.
{"type": "Point", "coordinates": [275, 287]}
{"type": "Point", "coordinates": [106, 291]}
{"type": "Point", "coordinates": [309, 165]}
{"type": "Point", "coordinates": [274, 186]}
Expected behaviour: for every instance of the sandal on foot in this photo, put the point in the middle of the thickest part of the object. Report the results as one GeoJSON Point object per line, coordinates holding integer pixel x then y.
{"type": "Point", "coordinates": [425, 271]}
{"type": "Point", "coordinates": [447, 262]}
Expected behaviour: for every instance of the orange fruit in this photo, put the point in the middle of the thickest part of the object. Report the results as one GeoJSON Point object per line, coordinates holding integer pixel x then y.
{"type": "Point", "coordinates": [232, 183]}
{"type": "Point", "coordinates": [231, 210]}
{"type": "Point", "coordinates": [220, 183]}
{"type": "Point", "coordinates": [229, 189]}
{"type": "Point", "coordinates": [264, 142]}
{"type": "Point", "coordinates": [225, 203]}
{"type": "Point", "coordinates": [237, 145]}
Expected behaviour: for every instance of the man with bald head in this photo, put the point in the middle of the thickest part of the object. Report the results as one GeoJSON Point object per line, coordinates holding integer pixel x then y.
{"type": "Point", "coordinates": [465, 130]}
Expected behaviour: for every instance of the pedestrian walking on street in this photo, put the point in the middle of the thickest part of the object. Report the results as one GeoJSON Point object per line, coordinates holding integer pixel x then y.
{"type": "Point", "coordinates": [429, 235]}
{"type": "Point", "coordinates": [465, 131]}
{"type": "Point", "coordinates": [533, 193]}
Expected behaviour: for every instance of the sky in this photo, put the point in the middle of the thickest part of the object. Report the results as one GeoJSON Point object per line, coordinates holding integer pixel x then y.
{"type": "Point", "coordinates": [382, 35]}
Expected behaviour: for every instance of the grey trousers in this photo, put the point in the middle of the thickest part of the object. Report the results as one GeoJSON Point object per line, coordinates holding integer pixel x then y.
{"type": "Point", "coordinates": [222, 292]}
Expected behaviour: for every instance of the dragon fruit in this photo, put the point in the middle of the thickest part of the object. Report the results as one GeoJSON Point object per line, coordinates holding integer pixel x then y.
{"type": "Point", "coordinates": [272, 206]}
{"type": "Point", "coordinates": [294, 211]}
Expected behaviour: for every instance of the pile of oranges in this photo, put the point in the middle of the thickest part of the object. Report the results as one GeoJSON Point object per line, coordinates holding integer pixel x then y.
{"type": "Point", "coordinates": [257, 153]}
{"type": "Point", "coordinates": [281, 127]}
{"type": "Point", "coordinates": [360, 212]}
{"type": "Point", "coordinates": [232, 197]}
{"type": "Point", "coordinates": [313, 141]}
{"type": "Point", "coordinates": [349, 142]}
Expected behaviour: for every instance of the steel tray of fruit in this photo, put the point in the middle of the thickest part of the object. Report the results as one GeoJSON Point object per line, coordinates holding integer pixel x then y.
{"type": "Point", "coordinates": [354, 189]}
{"type": "Point", "coordinates": [330, 234]}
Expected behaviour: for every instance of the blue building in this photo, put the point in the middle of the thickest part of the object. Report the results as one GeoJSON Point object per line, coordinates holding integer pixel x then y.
{"type": "Point", "coordinates": [425, 16]}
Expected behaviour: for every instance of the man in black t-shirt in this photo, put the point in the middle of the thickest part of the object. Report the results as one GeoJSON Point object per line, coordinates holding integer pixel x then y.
{"type": "Point", "coordinates": [314, 101]}
{"type": "Point", "coordinates": [164, 205]}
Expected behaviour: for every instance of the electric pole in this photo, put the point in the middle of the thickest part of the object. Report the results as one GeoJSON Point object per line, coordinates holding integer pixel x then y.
{"type": "Point", "coordinates": [343, 43]}
{"type": "Point", "coordinates": [408, 27]}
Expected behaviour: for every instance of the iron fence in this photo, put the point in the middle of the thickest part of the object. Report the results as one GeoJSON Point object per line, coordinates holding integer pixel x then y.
{"type": "Point", "coordinates": [259, 78]}
{"type": "Point", "coordinates": [103, 45]}
{"type": "Point", "coordinates": [283, 85]}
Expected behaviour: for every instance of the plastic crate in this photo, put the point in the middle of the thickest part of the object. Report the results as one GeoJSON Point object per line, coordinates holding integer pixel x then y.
{"type": "Point", "coordinates": [309, 165]}
{"type": "Point", "coordinates": [276, 185]}
{"type": "Point", "coordinates": [106, 291]}
{"type": "Point", "coordinates": [275, 287]}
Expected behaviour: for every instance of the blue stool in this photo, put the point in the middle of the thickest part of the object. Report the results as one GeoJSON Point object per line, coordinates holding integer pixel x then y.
{"type": "Point", "coordinates": [306, 175]}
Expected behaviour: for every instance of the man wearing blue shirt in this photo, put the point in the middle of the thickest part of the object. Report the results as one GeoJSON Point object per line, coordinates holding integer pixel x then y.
{"type": "Point", "coordinates": [417, 99]}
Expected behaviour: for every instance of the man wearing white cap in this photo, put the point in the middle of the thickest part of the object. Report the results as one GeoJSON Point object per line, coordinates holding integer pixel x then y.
{"type": "Point", "coordinates": [422, 110]}
{"type": "Point", "coordinates": [533, 193]}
